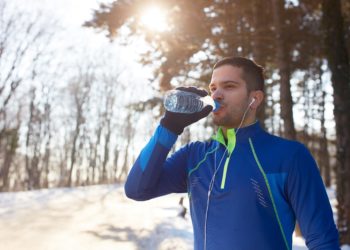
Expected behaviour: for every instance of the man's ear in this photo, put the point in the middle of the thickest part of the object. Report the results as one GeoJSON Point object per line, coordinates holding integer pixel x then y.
{"type": "Point", "coordinates": [257, 98]}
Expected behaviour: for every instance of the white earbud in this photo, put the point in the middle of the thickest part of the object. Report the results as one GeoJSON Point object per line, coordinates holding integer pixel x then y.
{"type": "Point", "coordinates": [251, 103]}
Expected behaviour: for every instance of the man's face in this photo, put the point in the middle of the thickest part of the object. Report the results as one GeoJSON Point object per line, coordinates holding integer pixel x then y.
{"type": "Point", "coordinates": [229, 89]}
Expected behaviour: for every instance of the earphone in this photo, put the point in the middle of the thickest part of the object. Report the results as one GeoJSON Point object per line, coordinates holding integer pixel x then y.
{"type": "Point", "coordinates": [251, 103]}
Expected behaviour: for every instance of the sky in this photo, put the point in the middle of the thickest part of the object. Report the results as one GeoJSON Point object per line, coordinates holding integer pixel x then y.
{"type": "Point", "coordinates": [70, 15]}
{"type": "Point", "coordinates": [72, 12]}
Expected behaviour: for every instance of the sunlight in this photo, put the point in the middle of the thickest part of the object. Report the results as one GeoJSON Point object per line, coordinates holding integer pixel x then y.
{"type": "Point", "coordinates": [154, 18]}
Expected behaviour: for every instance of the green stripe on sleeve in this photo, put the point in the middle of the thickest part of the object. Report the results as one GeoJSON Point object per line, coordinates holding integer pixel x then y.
{"type": "Point", "coordinates": [270, 193]}
{"type": "Point", "coordinates": [199, 163]}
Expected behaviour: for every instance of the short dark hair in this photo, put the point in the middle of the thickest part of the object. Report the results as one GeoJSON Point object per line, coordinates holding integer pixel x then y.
{"type": "Point", "coordinates": [253, 74]}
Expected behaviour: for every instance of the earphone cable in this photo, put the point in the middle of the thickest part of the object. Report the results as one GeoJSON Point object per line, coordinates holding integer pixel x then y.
{"type": "Point", "coordinates": [212, 181]}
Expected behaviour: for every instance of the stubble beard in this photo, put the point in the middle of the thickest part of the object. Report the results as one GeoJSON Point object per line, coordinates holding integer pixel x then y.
{"type": "Point", "coordinates": [231, 119]}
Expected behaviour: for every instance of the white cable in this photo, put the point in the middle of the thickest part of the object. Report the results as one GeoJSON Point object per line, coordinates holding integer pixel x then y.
{"type": "Point", "coordinates": [212, 181]}
{"type": "Point", "coordinates": [245, 113]}
{"type": "Point", "coordinates": [211, 185]}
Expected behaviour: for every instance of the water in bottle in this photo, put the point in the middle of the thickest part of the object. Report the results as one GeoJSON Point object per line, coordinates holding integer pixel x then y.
{"type": "Point", "coordinates": [179, 101]}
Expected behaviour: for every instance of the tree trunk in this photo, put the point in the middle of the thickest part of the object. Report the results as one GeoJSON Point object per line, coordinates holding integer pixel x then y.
{"type": "Point", "coordinates": [284, 70]}
{"type": "Point", "coordinates": [305, 136]}
{"type": "Point", "coordinates": [116, 158]}
{"type": "Point", "coordinates": [46, 165]}
{"type": "Point", "coordinates": [10, 151]}
{"type": "Point", "coordinates": [93, 157]}
{"type": "Point", "coordinates": [324, 161]}
{"type": "Point", "coordinates": [47, 154]}
{"type": "Point", "coordinates": [124, 171]}
{"type": "Point", "coordinates": [282, 57]}
{"type": "Point", "coordinates": [258, 19]}
{"type": "Point", "coordinates": [28, 166]}
{"type": "Point", "coordinates": [106, 152]}
{"type": "Point", "coordinates": [73, 153]}
{"type": "Point", "coordinates": [338, 61]}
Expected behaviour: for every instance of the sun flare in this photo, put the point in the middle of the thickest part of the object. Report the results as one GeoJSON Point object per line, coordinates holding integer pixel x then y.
{"type": "Point", "coordinates": [154, 18]}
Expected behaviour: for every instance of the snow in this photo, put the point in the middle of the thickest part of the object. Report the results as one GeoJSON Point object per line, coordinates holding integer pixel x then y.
{"type": "Point", "coordinates": [96, 217]}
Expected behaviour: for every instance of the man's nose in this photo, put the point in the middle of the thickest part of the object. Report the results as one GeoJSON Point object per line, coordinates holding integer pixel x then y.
{"type": "Point", "coordinates": [217, 94]}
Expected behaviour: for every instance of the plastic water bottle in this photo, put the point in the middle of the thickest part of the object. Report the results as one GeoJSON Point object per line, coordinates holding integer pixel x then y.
{"type": "Point", "coordinates": [179, 101]}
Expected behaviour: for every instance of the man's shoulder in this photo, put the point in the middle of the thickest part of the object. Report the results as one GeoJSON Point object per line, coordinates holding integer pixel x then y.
{"type": "Point", "coordinates": [283, 144]}
{"type": "Point", "coordinates": [279, 154]}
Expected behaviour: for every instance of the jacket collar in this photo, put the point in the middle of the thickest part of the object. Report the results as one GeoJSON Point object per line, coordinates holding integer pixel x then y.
{"type": "Point", "coordinates": [232, 136]}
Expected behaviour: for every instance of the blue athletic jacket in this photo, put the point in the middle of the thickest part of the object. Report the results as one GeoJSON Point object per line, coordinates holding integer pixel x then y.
{"type": "Point", "coordinates": [262, 186]}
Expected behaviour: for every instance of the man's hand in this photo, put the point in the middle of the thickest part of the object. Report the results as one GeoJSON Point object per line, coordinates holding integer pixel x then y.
{"type": "Point", "coordinates": [176, 122]}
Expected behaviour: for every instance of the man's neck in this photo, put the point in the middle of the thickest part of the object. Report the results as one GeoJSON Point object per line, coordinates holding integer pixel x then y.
{"type": "Point", "coordinates": [245, 124]}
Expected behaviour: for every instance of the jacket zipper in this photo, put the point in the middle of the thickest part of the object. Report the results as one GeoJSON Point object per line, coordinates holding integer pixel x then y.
{"type": "Point", "coordinates": [223, 180]}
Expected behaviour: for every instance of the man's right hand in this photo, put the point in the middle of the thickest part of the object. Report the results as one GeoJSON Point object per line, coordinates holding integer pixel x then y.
{"type": "Point", "coordinates": [176, 122]}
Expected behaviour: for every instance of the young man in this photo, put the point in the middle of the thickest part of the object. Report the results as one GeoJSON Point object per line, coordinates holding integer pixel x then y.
{"type": "Point", "coordinates": [246, 187]}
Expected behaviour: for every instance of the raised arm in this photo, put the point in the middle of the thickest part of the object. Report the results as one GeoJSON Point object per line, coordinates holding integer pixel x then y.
{"type": "Point", "coordinates": [153, 174]}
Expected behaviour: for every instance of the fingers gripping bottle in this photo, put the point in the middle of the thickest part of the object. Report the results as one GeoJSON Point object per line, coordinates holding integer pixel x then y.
{"type": "Point", "coordinates": [179, 101]}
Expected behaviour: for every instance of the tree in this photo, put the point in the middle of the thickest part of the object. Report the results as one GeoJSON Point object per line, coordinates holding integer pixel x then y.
{"type": "Point", "coordinates": [32, 159]}
{"type": "Point", "coordinates": [338, 61]}
{"type": "Point", "coordinates": [21, 37]}
{"type": "Point", "coordinates": [80, 90]}
{"type": "Point", "coordinates": [282, 56]}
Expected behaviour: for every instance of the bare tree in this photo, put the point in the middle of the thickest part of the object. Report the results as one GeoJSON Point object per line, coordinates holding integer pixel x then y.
{"type": "Point", "coordinates": [80, 90]}
{"type": "Point", "coordinates": [48, 134]}
{"type": "Point", "coordinates": [9, 146]}
{"type": "Point", "coordinates": [33, 134]}
{"type": "Point", "coordinates": [128, 132]}
{"type": "Point", "coordinates": [21, 37]}
{"type": "Point", "coordinates": [110, 99]}
{"type": "Point", "coordinates": [93, 146]}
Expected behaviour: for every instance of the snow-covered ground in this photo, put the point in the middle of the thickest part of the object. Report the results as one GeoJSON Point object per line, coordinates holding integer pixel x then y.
{"type": "Point", "coordinates": [95, 217]}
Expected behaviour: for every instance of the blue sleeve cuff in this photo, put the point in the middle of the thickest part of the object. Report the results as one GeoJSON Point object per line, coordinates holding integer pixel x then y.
{"type": "Point", "coordinates": [165, 137]}
{"type": "Point", "coordinates": [162, 136]}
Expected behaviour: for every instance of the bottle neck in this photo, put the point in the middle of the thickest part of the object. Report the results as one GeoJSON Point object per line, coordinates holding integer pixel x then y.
{"type": "Point", "coordinates": [207, 100]}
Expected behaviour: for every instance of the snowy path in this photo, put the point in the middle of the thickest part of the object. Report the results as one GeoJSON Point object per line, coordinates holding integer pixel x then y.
{"type": "Point", "coordinates": [91, 218]}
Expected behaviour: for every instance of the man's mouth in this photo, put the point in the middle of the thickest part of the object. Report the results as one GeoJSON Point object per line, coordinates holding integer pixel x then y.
{"type": "Point", "coordinates": [218, 109]}
{"type": "Point", "coordinates": [218, 106]}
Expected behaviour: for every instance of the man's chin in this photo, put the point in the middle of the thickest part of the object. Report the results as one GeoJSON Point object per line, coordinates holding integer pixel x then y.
{"type": "Point", "coordinates": [217, 121]}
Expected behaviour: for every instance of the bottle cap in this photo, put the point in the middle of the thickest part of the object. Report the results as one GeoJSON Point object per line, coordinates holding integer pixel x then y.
{"type": "Point", "coordinates": [217, 105]}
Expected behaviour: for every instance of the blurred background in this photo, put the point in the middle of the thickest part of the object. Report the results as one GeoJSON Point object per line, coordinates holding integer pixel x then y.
{"type": "Point", "coordinates": [82, 82]}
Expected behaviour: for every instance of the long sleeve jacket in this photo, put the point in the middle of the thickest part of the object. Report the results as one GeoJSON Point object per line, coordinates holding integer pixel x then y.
{"type": "Point", "coordinates": [260, 185]}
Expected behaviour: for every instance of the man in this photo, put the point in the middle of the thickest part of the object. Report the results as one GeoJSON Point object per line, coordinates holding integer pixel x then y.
{"type": "Point", "coordinates": [246, 187]}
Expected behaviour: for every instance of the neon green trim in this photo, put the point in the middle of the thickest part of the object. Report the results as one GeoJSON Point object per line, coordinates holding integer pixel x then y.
{"type": "Point", "coordinates": [224, 174]}
{"type": "Point", "coordinates": [270, 193]}
{"type": "Point", "coordinates": [219, 136]}
{"type": "Point", "coordinates": [231, 136]}
{"type": "Point", "coordinates": [199, 163]}
{"type": "Point", "coordinates": [231, 139]}
{"type": "Point", "coordinates": [231, 144]}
